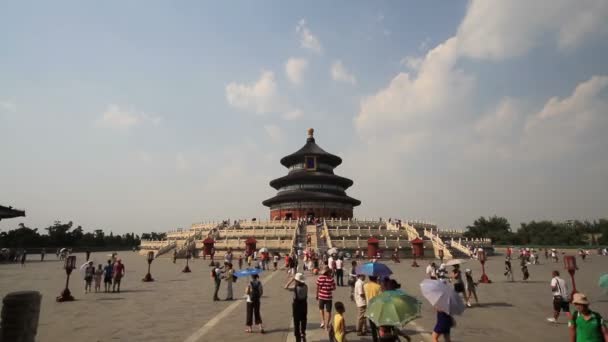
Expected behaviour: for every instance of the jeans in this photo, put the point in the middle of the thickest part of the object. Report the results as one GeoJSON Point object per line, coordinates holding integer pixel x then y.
{"type": "Point", "coordinates": [217, 288]}
{"type": "Point", "coordinates": [253, 309]}
{"type": "Point", "coordinates": [340, 277]}
{"type": "Point", "coordinates": [300, 312]}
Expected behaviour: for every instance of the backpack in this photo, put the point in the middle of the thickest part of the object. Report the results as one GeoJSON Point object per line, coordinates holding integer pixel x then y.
{"type": "Point", "coordinates": [300, 293]}
{"type": "Point", "coordinates": [255, 291]}
{"type": "Point", "coordinates": [594, 315]}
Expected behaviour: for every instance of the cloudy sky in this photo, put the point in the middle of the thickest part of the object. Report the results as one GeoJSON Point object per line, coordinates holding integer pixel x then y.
{"type": "Point", "coordinates": [151, 115]}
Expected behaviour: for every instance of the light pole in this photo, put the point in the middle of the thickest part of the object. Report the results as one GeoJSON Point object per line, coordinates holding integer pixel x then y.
{"type": "Point", "coordinates": [66, 295]}
{"type": "Point", "coordinates": [570, 265]}
{"type": "Point", "coordinates": [187, 268]}
{"type": "Point", "coordinates": [148, 276]}
{"type": "Point", "coordinates": [481, 255]}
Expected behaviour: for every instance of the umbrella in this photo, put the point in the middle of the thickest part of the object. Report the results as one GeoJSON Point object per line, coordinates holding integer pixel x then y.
{"type": "Point", "coordinates": [83, 266]}
{"type": "Point", "coordinates": [247, 272]}
{"type": "Point", "coordinates": [332, 250]}
{"type": "Point", "coordinates": [455, 262]}
{"type": "Point", "coordinates": [393, 308]}
{"type": "Point", "coordinates": [63, 250]}
{"type": "Point", "coordinates": [442, 296]}
{"type": "Point", "coordinates": [263, 250]}
{"type": "Point", "coordinates": [374, 269]}
{"type": "Point", "coordinates": [604, 281]}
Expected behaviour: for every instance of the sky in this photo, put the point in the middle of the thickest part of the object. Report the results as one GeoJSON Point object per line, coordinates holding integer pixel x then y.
{"type": "Point", "coordinates": [146, 116]}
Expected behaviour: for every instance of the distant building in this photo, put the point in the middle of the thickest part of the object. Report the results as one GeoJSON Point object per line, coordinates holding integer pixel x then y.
{"type": "Point", "coordinates": [311, 189]}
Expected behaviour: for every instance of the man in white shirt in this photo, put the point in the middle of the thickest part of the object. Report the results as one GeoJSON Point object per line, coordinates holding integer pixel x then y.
{"type": "Point", "coordinates": [339, 272]}
{"type": "Point", "coordinates": [431, 271]}
{"type": "Point", "coordinates": [560, 297]}
{"type": "Point", "coordinates": [361, 303]}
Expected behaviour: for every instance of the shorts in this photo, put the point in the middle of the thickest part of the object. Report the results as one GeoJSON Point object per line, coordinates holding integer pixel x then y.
{"type": "Point", "coordinates": [107, 280]}
{"type": "Point", "coordinates": [88, 280]}
{"type": "Point", "coordinates": [560, 304]}
{"type": "Point", "coordinates": [325, 304]}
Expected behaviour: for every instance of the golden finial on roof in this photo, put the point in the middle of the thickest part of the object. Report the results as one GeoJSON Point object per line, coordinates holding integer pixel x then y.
{"type": "Point", "coordinates": [311, 132]}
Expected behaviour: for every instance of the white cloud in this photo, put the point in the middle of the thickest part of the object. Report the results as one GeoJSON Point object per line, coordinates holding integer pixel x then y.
{"type": "Point", "coordinates": [181, 162]}
{"type": "Point", "coordinates": [339, 73]}
{"type": "Point", "coordinates": [260, 97]}
{"type": "Point", "coordinates": [502, 29]}
{"type": "Point", "coordinates": [275, 133]}
{"type": "Point", "coordinates": [7, 106]}
{"type": "Point", "coordinates": [307, 39]}
{"type": "Point", "coordinates": [293, 114]}
{"type": "Point", "coordinates": [294, 68]}
{"type": "Point", "coordinates": [122, 118]}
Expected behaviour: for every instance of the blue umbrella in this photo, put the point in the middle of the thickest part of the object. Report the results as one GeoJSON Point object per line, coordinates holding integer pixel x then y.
{"type": "Point", "coordinates": [374, 269]}
{"type": "Point", "coordinates": [247, 272]}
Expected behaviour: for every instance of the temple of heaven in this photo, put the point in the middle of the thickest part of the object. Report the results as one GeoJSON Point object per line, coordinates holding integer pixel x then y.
{"type": "Point", "coordinates": [311, 189]}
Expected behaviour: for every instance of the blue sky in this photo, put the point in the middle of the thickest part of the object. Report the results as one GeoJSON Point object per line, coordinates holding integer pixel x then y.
{"type": "Point", "coordinates": [152, 115]}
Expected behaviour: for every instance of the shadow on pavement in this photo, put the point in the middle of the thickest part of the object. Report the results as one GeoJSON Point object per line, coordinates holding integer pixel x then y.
{"type": "Point", "coordinates": [496, 304]}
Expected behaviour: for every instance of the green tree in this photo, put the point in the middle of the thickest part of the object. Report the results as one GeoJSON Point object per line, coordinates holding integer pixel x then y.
{"type": "Point", "coordinates": [496, 228]}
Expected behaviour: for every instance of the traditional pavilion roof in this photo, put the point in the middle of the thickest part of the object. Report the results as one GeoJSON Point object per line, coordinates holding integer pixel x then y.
{"type": "Point", "coordinates": [311, 149]}
{"type": "Point", "coordinates": [9, 212]}
{"type": "Point", "coordinates": [318, 176]}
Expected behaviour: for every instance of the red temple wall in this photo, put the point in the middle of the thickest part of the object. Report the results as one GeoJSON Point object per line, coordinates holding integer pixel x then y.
{"type": "Point", "coordinates": [319, 212]}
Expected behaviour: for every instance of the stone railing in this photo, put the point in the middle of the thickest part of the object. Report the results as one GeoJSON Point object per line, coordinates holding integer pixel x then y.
{"type": "Point", "coordinates": [166, 248]}
{"type": "Point", "coordinates": [460, 247]}
{"type": "Point", "coordinates": [438, 245]}
{"type": "Point", "coordinates": [412, 233]}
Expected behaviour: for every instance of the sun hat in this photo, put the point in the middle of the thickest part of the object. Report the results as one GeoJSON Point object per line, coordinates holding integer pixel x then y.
{"type": "Point", "coordinates": [299, 277]}
{"type": "Point", "coordinates": [580, 298]}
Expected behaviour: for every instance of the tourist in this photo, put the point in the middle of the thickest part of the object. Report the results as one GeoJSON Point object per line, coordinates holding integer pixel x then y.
{"type": "Point", "coordinates": [216, 275]}
{"type": "Point", "coordinates": [325, 287]}
{"type": "Point", "coordinates": [442, 273]}
{"type": "Point", "coordinates": [241, 261]}
{"type": "Point", "coordinates": [560, 296]}
{"type": "Point", "coordinates": [389, 333]}
{"type": "Point", "coordinates": [546, 254]}
{"type": "Point", "coordinates": [249, 259]}
{"type": "Point", "coordinates": [229, 276]}
{"type": "Point", "coordinates": [554, 255]}
{"type": "Point", "coordinates": [339, 271]}
{"type": "Point", "coordinates": [372, 289]}
{"type": "Point", "coordinates": [23, 257]}
{"type": "Point", "coordinates": [88, 255]}
{"type": "Point", "coordinates": [470, 287]}
{"type": "Point", "coordinates": [254, 292]}
{"type": "Point", "coordinates": [331, 261]}
{"type": "Point", "coordinates": [443, 326]}
{"type": "Point", "coordinates": [458, 283]}
{"type": "Point", "coordinates": [89, 273]}
{"type": "Point", "coordinates": [586, 325]}
{"type": "Point", "coordinates": [299, 305]}
{"type": "Point", "coordinates": [339, 325]}
{"type": "Point", "coordinates": [118, 273]}
{"type": "Point", "coordinates": [508, 269]}
{"type": "Point", "coordinates": [431, 271]}
{"type": "Point", "coordinates": [174, 256]}
{"type": "Point", "coordinates": [57, 253]}
{"type": "Point", "coordinates": [275, 261]}
{"type": "Point", "coordinates": [107, 278]}
{"type": "Point", "coordinates": [42, 253]}
{"type": "Point", "coordinates": [524, 271]}
{"type": "Point", "coordinates": [98, 275]}
{"type": "Point", "coordinates": [361, 302]}
{"type": "Point", "coordinates": [228, 256]}
{"type": "Point", "coordinates": [352, 278]}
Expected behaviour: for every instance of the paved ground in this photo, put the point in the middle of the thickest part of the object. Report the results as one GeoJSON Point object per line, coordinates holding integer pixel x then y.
{"type": "Point", "coordinates": [178, 306]}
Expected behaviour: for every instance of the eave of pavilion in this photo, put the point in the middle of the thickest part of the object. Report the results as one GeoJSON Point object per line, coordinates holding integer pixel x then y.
{"type": "Point", "coordinates": [311, 177]}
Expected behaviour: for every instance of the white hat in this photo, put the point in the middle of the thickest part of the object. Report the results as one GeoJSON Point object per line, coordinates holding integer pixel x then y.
{"type": "Point", "coordinates": [299, 277]}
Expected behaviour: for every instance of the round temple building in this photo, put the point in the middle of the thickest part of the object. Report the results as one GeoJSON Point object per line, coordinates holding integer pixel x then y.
{"type": "Point", "coordinates": [311, 189]}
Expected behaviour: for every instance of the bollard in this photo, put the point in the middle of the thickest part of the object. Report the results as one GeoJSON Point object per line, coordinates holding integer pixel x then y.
{"type": "Point", "coordinates": [20, 313]}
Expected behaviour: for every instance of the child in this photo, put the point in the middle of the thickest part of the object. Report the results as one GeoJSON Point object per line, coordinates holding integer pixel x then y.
{"type": "Point", "coordinates": [524, 270]}
{"type": "Point", "coordinates": [98, 274]}
{"type": "Point", "coordinates": [444, 324]}
{"type": "Point", "coordinates": [339, 326]}
{"type": "Point", "coordinates": [89, 272]}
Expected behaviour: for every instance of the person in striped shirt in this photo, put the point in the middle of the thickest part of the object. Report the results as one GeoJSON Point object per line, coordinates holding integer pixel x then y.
{"type": "Point", "coordinates": [325, 287]}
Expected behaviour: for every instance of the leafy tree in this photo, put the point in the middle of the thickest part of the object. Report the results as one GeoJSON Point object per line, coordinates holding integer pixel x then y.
{"type": "Point", "coordinates": [496, 228]}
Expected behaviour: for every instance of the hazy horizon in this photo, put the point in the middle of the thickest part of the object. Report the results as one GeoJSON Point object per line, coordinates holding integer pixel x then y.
{"type": "Point", "coordinates": [148, 116]}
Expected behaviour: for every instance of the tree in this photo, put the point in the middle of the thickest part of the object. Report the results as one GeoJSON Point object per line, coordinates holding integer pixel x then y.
{"type": "Point", "coordinates": [496, 228]}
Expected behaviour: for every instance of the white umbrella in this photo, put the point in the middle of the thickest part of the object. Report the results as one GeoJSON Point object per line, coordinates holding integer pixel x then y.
{"type": "Point", "coordinates": [332, 250]}
{"type": "Point", "coordinates": [263, 250]}
{"type": "Point", "coordinates": [442, 296]}
{"type": "Point", "coordinates": [83, 266]}
{"type": "Point", "coordinates": [455, 262]}
{"type": "Point", "coordinates": [63, 250]}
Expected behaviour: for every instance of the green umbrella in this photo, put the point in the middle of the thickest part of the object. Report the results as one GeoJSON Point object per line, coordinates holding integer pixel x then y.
{"type": "Point", "coordinates": [604, 281]}
{"type": "Point", "coordinates": [393, 308]}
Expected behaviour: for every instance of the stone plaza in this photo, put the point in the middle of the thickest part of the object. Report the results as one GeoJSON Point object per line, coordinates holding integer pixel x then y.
{"type": "Point", "coordinates": [178, 306]}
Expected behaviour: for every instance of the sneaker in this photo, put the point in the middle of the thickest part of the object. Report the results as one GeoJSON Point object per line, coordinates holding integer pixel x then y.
{"type": "Point", "coordinates": [469, 305]}
{"type": "Point", "coordinates": [552, 320]}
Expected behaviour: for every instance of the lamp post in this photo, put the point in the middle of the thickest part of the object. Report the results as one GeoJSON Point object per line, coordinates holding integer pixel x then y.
{"type": "Point", "coordinates": [481, 255]}
{"type": "Point", "coordinates": [70, 264]}
{"type": "Point", "coordinates": [570, 265]}
{"type": "Point", "coordinates": [148, 276]}
{"type": "Point", "coordinates": [187, 268]}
